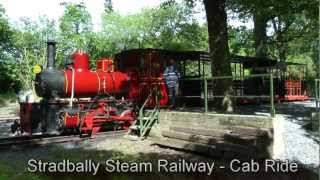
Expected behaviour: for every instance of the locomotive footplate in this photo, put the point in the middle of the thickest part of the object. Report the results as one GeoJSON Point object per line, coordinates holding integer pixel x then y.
{"type": "Point", "coordinates": [55, 117]}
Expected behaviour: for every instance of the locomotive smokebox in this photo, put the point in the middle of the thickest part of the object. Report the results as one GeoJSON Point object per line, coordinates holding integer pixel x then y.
{"type": "Point", "coordinates": [51, 54]}
{"type": "Point", "coordinates": [50, 83]}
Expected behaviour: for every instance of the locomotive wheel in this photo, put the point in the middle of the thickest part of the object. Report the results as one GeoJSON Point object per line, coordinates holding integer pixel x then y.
{"type": "Point", "coordinates": [60, 122]}
{"type": "Point", "coordinates": [15, 127]}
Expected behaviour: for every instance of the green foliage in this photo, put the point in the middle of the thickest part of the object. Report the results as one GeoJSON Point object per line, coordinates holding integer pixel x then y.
{"type": "Point", "coordinates": [9, 171]}
{"type": "Point", "coordinates": [75, 29]}
{"type": "Point", "coordinates": [292, 25]}
{"type": "Point", "coordinates": [241, 41]}
{"type": "Point", "coordinates": [5, 31]}
{"type": "Point", "coordinates": [7, 97]}
{"type": "Point", "coordinates": [170, 26]}
{"type": "Point", "coordinates": [108, 6]}
{"type": "Point", "coordinates": [75, 20]}
{"type": "Point", "coordinates": [30, 49]}
{"type": "Point", "coordinates": [8, 72]}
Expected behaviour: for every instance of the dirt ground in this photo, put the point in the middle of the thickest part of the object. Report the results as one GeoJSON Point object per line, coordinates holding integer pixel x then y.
{"type": "Point", "coordinates": [9, 109]}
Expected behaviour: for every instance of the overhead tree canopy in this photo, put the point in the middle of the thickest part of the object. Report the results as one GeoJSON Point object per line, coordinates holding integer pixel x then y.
{"type": "Point", "coordinates": [259, 11]}
{"type": "Point", "coordinates": [286, 30]}
{"type": "Point", "coordinates": [108, 7]}
{"type": "Point", "coordinates": [75, 29]}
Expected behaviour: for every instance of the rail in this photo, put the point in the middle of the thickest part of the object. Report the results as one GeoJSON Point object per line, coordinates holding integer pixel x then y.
{"type": "Point", "coordinates": [40, 140]}
{"type": "Point", "coordinates": [270, 96]}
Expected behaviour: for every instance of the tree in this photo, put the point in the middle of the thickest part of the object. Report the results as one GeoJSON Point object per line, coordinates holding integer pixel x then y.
{"type": "Point", "coordinates": [8, 72]}
{"type": "Point", "coordinates": [170, 26]}
{"type": "Point", "coordinates": [241, 41]}
{"type": "Point", "coordinates": [108, 7]}
{"type": "Point", "coordinates": [260, 19]}
{"type": "Point", "coordinates": [173, 26]}
{"type": "Point", "coordinates": [5, 32]}
{"type": "Point", "coordinates": [219, 50]}
{"type": "Point", "coordinates": [30, 48]}
{"type": "Point", "coordinates": [260, 12]}
{"type": "Point", "coordinates": [291, 20]}
{"type": "Point", "coordinates": [75, 29]}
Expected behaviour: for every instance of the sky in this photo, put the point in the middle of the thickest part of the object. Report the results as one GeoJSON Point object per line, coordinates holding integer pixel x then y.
{"type": "Point", "coordinates": [15, 9]}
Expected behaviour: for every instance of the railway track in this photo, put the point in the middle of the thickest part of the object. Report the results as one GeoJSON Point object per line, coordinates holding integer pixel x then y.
{"type": "Point", "coordinates": [9, 117]}
{"type": "Point", "coordinates": [40, 140]}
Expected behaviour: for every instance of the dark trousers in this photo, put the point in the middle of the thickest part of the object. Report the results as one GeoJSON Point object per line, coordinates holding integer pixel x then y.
{"type": "Point", "coordinates": [173, 92]}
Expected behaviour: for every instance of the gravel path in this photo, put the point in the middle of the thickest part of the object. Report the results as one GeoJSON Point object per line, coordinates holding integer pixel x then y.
{"type": "Point", "coordinates": [11, 109]}
{"type": "Point", "coordinates": [294, 143]}
{"type": "Point", "coordinates": [296, 137]}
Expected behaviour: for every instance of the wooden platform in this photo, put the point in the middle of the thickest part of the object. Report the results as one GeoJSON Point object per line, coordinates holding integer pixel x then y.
{"type": "Point", "coordinates": [215, 135]}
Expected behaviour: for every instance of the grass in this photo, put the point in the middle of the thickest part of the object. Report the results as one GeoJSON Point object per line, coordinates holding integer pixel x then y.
{"type": "Point", "coordinates": [8, 172]}
{"type": "Point", "coordinates": [15, 169]}
{"type": "Point", "coordinates": [7, 97]}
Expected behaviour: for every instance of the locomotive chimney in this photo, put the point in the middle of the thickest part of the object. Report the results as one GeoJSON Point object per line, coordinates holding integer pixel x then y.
{"type": "Point", "coordinates": [51, 54]}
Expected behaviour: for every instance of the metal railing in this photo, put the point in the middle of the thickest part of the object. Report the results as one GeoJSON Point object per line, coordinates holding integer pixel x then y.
{"type": "Point", "coordinates": [317, 92]}
{"type": "Point", "coordinates": [145, 122]}
{"type": "Point", "coordinates": [271, 90]}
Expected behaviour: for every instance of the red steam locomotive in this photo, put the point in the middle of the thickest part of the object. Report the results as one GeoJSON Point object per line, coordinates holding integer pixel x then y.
{"type": "Point", "coordinates": [79, 100]}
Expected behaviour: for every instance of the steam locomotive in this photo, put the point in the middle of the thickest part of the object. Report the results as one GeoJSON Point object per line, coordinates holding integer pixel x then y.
{"type": "Point", "coordinates": [79, 100]}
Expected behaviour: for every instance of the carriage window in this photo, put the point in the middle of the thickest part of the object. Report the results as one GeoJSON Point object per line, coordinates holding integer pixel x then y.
{"type": "Point", "coordinates": [206, 68]}
{"type": "Point", "coordinates": [191, 68]}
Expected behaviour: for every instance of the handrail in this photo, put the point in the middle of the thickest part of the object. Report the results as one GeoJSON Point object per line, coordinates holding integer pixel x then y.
{"type": "Point", "coordinates": [145, 102]}
{"type": "Point", "coordinates": [228, 77]}
{"type": "Point", "coordinates": [144, 126]}
{"type": "Point", "coordinates": [271, 96]}
{"type": "Point", "coordinates": [317, 92]}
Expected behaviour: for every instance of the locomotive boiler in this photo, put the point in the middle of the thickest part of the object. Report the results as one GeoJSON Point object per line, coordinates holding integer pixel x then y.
{"type": "Point", "coordinates": [78, 80]}
{"type": "Point", "coordinates": [77, 99]}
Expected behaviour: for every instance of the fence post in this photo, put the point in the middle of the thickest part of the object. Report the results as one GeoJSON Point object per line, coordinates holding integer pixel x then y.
{"type": "Point", "coordinates": [205, 89]}
{"type": "Point", "coordinates": [141, 125]}
{"type": "Point", "coordinates": [317, 91]}
{"type": "Point", "coordinates": [272, 110]}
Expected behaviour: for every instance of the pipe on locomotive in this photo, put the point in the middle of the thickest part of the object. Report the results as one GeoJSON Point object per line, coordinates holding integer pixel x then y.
{"type": "Point", "coordinates": [51, 54]}
{"type": "Point", "coordinates": [72, 88]}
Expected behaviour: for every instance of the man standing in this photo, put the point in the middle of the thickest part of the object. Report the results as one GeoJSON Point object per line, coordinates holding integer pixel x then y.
{"type": "Point", "coordinates": [172, 76]}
